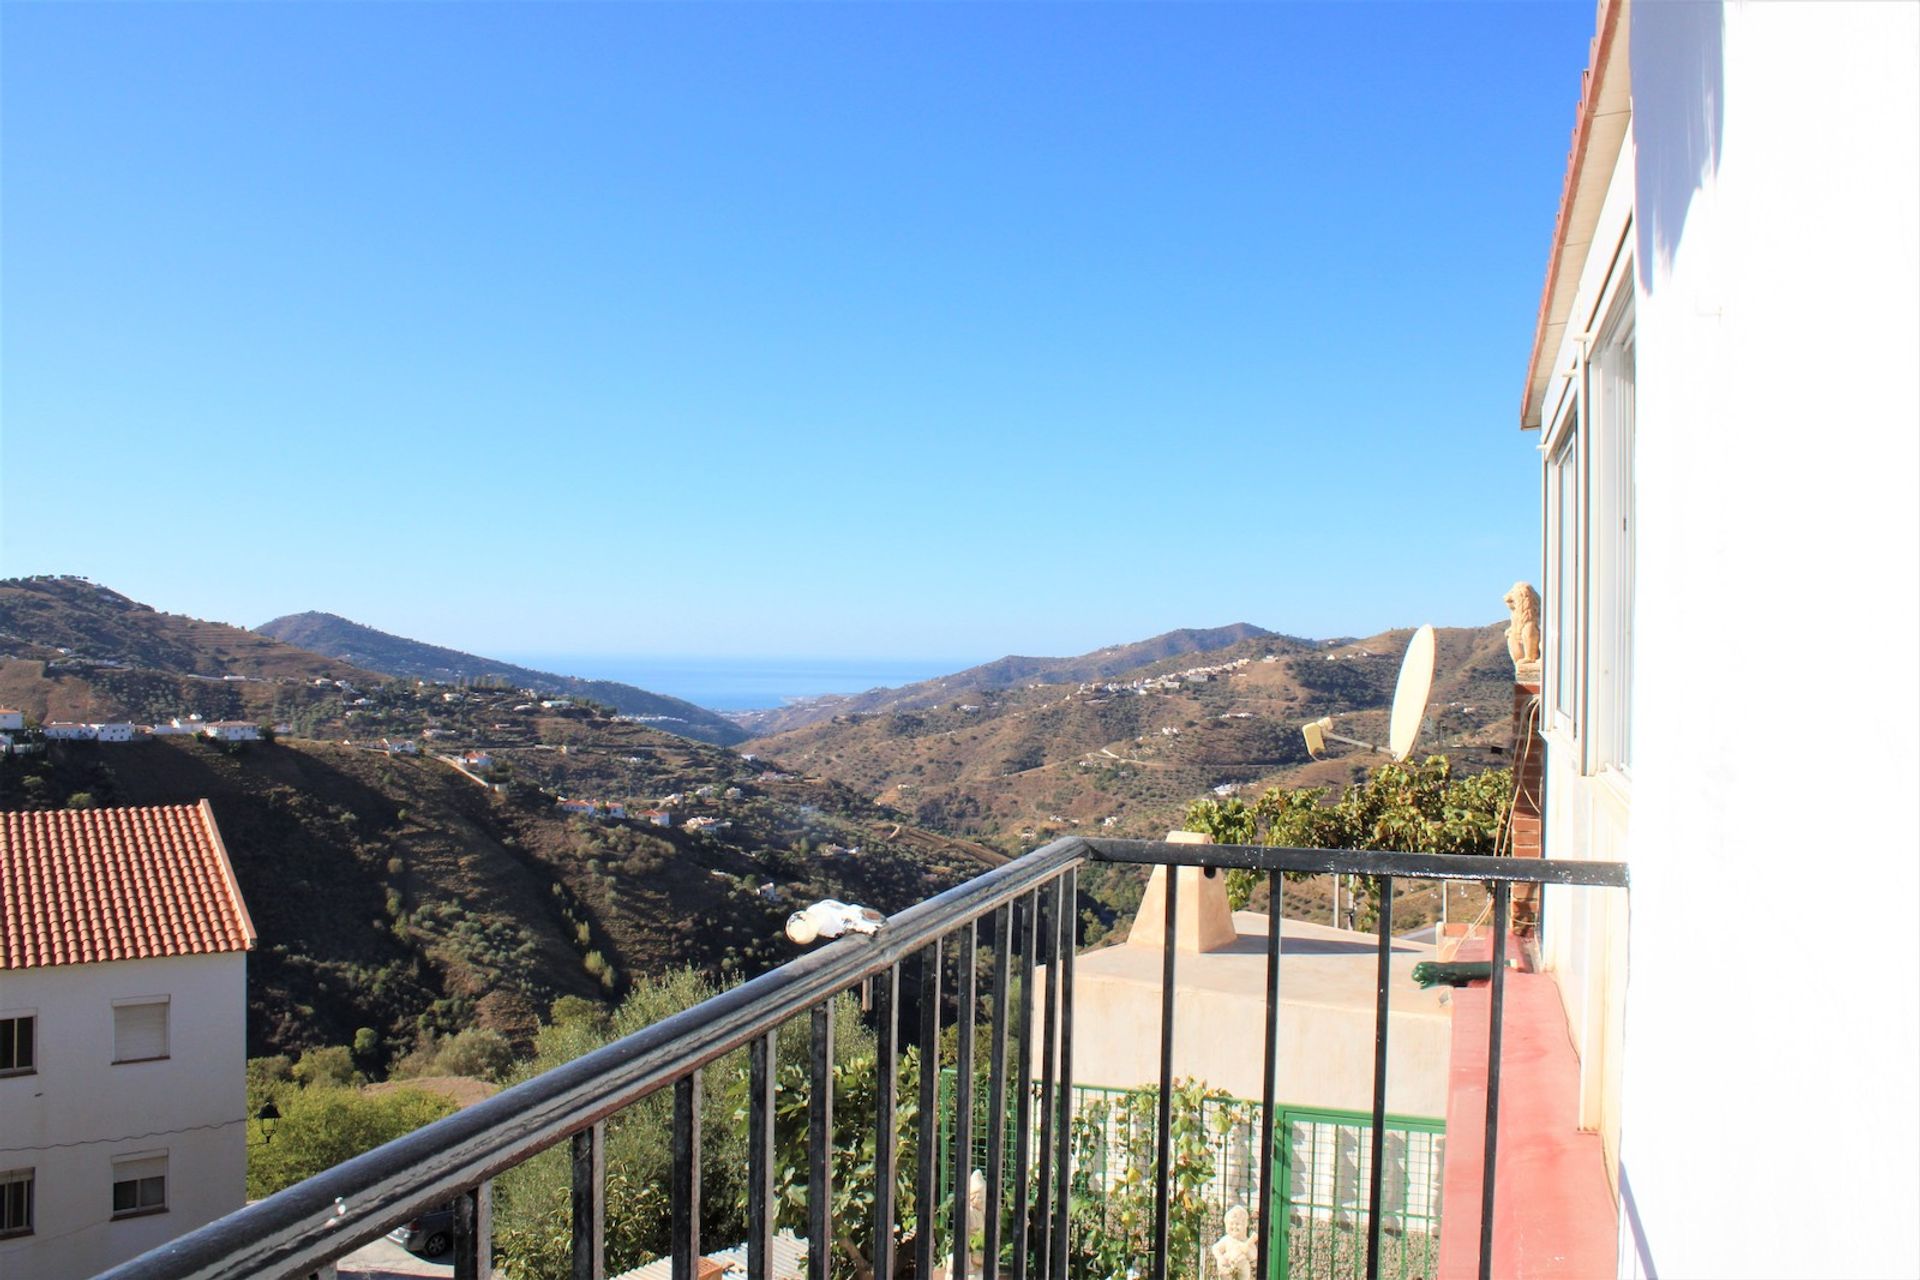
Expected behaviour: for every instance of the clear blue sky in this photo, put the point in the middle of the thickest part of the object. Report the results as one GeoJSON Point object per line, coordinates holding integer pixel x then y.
{"type": "Point", "coordinates": [754, 329]}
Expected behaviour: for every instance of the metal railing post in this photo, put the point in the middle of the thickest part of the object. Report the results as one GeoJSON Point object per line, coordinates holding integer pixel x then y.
{"type": "Point", "coordinates": [590, 1203]}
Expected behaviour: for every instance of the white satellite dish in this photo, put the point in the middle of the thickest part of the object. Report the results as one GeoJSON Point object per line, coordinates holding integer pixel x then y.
{"type": "Point", "coordinates": [1410, 693]}
{"type": "Point", "coordinates": [1409, 705]}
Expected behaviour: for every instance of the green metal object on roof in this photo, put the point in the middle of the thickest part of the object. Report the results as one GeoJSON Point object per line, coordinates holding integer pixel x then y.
{"type": "Point", "coordinates": [1456, 973]}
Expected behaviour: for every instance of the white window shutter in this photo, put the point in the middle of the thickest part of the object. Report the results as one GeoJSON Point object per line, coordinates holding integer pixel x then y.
{"type": "Point", "coordinates": [140, 1031]}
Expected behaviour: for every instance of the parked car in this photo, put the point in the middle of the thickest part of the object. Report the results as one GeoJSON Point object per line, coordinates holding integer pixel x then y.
{"type": "Point", "coordinates": [427, 1236]}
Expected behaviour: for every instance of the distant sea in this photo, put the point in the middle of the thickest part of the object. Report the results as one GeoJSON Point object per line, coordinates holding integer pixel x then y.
{"type": "Point", "coordinates": [747, 684]}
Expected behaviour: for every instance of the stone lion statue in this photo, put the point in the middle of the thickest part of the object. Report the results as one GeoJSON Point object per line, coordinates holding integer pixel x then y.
{"type": "Point", "coordinates": [1523, 631]}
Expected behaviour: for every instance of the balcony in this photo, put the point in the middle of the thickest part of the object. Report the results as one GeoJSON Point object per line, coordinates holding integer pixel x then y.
{"type": "Point", "coordinates": [1001, 946]}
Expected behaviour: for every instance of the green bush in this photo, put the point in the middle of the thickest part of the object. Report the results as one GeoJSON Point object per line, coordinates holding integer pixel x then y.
{"type": "Point", "coordinates": [330, 1065]}
{"type": "Point", "coordinates": [324, 1124]}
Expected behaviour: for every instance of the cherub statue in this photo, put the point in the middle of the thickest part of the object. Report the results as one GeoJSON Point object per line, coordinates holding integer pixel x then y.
{"type": "Point", "coordinates": [1233, 1253]}
{"type": "Point", "coordinates": [1523, 630]}
{"type": "Point", "coordinates": [976, 1224]}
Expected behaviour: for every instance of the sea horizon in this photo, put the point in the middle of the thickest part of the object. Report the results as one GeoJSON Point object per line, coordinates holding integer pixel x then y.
{"type": "Point", "coordinates": [745, 684]}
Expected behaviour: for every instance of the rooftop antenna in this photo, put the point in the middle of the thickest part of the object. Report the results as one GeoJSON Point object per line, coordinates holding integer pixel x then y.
{"type": "Point", "coordinates": [1409, 706]}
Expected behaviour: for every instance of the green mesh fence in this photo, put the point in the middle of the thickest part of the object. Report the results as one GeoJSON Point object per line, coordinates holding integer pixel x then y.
{"type": "Point", "coordinates": [1322, 1166]}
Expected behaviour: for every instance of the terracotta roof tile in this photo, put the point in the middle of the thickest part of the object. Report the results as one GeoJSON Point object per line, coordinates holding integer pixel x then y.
{"type": "Point", "coordinates": [83, 885]}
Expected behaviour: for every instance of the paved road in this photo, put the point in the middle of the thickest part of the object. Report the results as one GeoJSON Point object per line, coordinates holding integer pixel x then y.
{"type": "Point", "coordinates": [385, 1260]}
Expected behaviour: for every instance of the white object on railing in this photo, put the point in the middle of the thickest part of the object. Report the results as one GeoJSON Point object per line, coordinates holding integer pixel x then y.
{"type": "Point", "coordinates": [829, 919]}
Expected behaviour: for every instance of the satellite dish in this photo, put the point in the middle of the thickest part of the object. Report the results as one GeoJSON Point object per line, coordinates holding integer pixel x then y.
{"type": "Point", "coordinates": [1409, 705]}
{"type": "Point", "coordinates": [1410, 694]}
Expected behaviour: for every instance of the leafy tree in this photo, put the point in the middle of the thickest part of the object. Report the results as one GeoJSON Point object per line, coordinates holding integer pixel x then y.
{"type": "Point", "coordinates": [330, 1065]}
{"type": "Point", "coordinates": [324, 1124]}
{"type": "Point", "coordinates": [1409, 807]}
{"type": "Point", "coordinates": [533, 1222]}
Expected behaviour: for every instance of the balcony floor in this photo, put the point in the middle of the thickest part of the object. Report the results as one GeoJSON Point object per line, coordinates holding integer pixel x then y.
{"type": "Point", "coordinates": [1554, 1211]}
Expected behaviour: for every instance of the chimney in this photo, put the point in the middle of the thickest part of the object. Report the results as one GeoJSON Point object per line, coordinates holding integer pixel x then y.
{"type": "Point", "coordinates": [1202, 921]}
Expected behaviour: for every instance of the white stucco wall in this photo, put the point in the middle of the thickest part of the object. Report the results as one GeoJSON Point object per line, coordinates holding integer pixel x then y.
{"type": "Point", "coordinates": [1773, 838]}
{"type": "Point", "coordinates": [80, 1110]}
{"type": "Point", "coordinates": [1327, 1002]}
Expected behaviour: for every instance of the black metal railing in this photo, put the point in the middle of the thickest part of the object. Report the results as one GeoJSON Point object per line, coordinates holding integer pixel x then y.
{"type": "Point", "coordinates": [1030, 904]}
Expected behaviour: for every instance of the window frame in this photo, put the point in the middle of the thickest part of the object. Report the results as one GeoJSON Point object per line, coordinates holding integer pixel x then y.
{"type": "Point", "coordinates": [23, 1178]}
{"type": "Point", "coordinates": [142, 1181]}
{"type": "Point", "coordinates": [1613, 374]}
{"type": "Point", "coordinates": [1562, 602]}
{"type": "Point", "coordinates": [10, 1037]}
{"type": "Point", "coordinates": [166, 1028]}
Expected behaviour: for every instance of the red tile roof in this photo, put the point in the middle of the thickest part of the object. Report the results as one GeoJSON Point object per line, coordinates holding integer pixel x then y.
{"type": "Point", "coordinates": [85, 885]}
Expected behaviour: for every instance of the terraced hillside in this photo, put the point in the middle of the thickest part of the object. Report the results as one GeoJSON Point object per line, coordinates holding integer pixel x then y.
{"type": "Point", "coordinates": [391, 892]}
{"type": "Point", "coordinates": [1124, 754]}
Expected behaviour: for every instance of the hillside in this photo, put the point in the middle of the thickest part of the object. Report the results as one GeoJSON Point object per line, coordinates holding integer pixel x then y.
{"type": "Point", "coordinates": [399, 893]}
{"type": "Point", "coordinates": [1002, 673]}
{"type": "Point", "coordinates": [69, 621]}
{"type": "Point", "coordinates": [393, 655]}
{"type": "Point", "coordinates": [394, 893]}
{"type": "Point", "coordinates": [1124, 754]}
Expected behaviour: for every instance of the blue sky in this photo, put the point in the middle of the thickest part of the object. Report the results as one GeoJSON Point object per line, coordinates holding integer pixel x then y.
{"type": "Point", "coordinates": [756, 329]}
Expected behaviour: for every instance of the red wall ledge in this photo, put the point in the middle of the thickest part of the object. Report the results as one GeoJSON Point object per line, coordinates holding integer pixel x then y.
{"type": "Point", "coordinates": [1554, 1213]}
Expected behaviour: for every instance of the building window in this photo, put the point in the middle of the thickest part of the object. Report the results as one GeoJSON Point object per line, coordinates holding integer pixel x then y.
{"type": "Point", "coordinates": [16, 1202]}
{"type": "Point", "coordinates": [139, 1030]}
{"type": "Point", "coordinates": [140, 1185]}
{"type": "Point", "coordinates": [1562, 604]}
{"type": "Point", "coordinates": [1615, 537]}
{"type": "Point", "coordinates": [16, 1044]}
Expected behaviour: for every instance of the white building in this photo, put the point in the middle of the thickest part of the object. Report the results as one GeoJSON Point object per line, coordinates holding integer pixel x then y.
{"type": "Point", "coordinates": [12, 719]}
{"type": "Point", "coordinates": [231, 731]}
{"type": "Point", "coordinates": [67, 731]}
{"type": "Point", "coordinates": [122, 1034]}
{"type": "Point", "coordinates": [114, 731]}
{"type": "Point", "coordinates": [1723, 390]}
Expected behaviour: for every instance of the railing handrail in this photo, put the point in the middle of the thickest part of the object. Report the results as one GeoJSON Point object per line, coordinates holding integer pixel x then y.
{"type": "Point", "coordinates": [302, 1228]}
{"type": "Point", "coordinates": [1363, 862]}
{"type": "Point", "coordinates": [297, 1230]}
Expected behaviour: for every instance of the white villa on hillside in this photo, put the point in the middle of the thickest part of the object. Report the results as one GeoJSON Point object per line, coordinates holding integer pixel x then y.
{"type": "Point", "coordinates": [123, 1005]}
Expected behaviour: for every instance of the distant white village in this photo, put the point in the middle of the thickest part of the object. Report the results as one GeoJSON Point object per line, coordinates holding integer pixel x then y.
{"type": "Point", "coordinates": [17, 739]}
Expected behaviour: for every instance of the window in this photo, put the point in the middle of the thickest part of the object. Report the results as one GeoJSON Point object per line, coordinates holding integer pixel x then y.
{"type": "Point", "coordinates": [1615, 532]}
{"type": "Point", "coordinates": [16, 1044]}
{"type": "Point", "coordinates": [140, 1184]}
{"type": "Point", "coordinates": [139, 1029]}
{"type": "Point", "coordinates": [16, 1202]}
{"type": "Point", "coordinates": [1562, 604]}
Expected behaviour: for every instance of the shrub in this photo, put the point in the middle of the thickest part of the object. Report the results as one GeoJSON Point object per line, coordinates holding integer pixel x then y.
{"type": "Point", "coordinates": [330, 1065]}
{"type": "Point", "coordinates": [321, 1126]}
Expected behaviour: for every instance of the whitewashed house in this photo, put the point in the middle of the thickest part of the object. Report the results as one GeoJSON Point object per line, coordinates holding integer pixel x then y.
{"type": "Point", "coordinates": [10, 719]}
{"type": "Point", "coordinates": [1723, 393]}
{"type": "Point", "coordinates": [231, 730]}
{"type": "Point", "coordinates": [67, 731]}
{"type": "Point", "coordinates": [113, 731]}
{"type": "Point", "coordinates": [123, 941]}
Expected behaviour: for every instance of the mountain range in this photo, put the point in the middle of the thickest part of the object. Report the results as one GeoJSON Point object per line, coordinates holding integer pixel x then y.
{"type": "Point", "coordinates": [363, 646]}
{"type": "Point", "coordinates": [394, 894]}
{"type": "Point", "coordinates": [1002, 673]}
